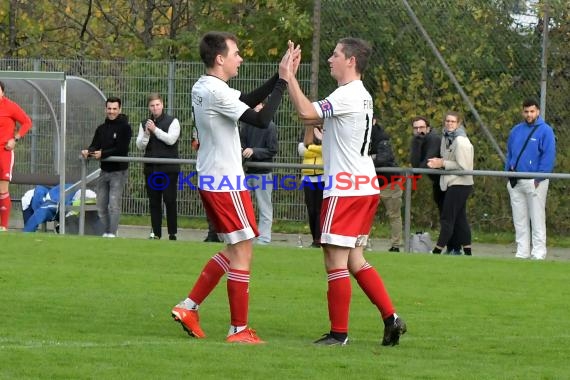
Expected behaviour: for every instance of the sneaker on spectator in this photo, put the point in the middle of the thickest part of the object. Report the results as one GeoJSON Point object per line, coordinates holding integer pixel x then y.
{"type": "Point", "coordinates": [394, 249]}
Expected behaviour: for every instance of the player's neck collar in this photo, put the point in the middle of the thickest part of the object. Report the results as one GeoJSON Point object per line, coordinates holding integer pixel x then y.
{"type": "Point", "coordinates": [215, 76]}
{"type": "Point", "coordinates": [348, 82]}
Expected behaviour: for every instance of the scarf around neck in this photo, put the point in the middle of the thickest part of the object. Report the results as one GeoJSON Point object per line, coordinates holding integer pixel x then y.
{"type": "Point", "coordinates": [450, 136]}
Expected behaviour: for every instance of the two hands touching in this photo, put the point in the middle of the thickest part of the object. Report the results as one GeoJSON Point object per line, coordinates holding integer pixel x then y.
{"type": "Point", "coordinates": [435, 163]}
{"type": "Point", "coordinates": [290, 62]}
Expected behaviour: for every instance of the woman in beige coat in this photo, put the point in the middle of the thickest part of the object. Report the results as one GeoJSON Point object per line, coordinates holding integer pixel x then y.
{"type": "Point", "coordinates": [457, 154]}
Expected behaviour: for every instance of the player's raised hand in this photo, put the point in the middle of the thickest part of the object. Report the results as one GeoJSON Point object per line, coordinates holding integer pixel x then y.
{"type": "Point", "coordinates": [295, 53]}
{"type": "Point", "coordinates": [285, 70]}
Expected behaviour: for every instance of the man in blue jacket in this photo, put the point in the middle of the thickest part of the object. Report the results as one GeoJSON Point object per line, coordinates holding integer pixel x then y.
{"type": "Point", "coordinates": [43, 207]}
{"type": "Point", "coordinates": [528, 196]}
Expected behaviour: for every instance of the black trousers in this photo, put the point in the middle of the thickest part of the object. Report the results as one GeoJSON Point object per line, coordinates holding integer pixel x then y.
{"type": "Point", "coordinates": [438, 195]}
{"type": "Point", "coordinates": [156, 196]}
{"type": "Point", "coordinates": [314, 201]}
{"type": "Point", "coordinates": [453, 220]}
{"type": "Point", "coordinates": [438, 198]}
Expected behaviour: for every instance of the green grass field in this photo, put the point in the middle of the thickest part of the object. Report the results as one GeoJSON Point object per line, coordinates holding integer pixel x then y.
{"type": "Point", "coordinates": [90, 308]}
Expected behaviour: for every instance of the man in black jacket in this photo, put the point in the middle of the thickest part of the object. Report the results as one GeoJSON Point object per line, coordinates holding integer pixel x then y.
{"type": "Point", "coordinates": [426, 144]}
{"type": "Point", "coordinates": [112, 138]}
{"type": "Point", "coordinates": [158, 137]}
{"type": "Point", "coordinates": [260, 145]}
{"type": "Point", "coordinates": [390, 183]}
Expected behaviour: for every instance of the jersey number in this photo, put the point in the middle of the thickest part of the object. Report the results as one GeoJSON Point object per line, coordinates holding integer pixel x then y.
{"type": "Point", "coordinates": [364, 150]}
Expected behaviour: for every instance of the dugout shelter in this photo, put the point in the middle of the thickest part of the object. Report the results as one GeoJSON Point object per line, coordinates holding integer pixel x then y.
{"type": "Point", "coordinates": [65, 111]}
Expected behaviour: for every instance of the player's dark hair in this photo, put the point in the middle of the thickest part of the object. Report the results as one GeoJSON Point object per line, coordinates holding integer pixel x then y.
{"type": "Point", "coordinates": [357, 48]}
{"type": "Point", "coordinates": [2, 86]}
{"type": "Point", "coordinates": [214, 44]}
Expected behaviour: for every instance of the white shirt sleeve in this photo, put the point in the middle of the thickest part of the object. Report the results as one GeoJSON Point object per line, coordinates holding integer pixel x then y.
{"type": "Point", "coordinates": [171, 137]}
{"type": "Point", "coordinates": [301, 149]}
{"type": "Point", "coordinates": [336, 104]}
{"type": "Point", "coordinates": [228, 103]}
{"type": "Point", "coordinates": [142, 138]}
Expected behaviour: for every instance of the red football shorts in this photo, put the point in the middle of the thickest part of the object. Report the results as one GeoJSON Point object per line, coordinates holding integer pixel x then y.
{"type": "Point", "coordinates": [231, 213]}
{"type": "Point", "coordinates": [346, 221]}
{"type": "Point", "coordinates": [6, 164]}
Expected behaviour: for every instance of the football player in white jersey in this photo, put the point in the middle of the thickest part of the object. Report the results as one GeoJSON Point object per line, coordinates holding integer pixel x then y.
{"type": "Point", "coordinates": [216, 110]}
{"type": "Point", "coordinates": [350, 204]}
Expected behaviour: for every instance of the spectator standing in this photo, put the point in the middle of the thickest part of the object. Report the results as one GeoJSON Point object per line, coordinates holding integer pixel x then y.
{"type": "Point", "coordinates": [531, 147]}
{"type": "Point", "coordinates": [217, 108]}
{"type": "Point", "coordinates": [260, 146]}
{"type": "Point", "coordinates": [310, 148]}
{"type": "Point", "coordinates": [390, 183]}
{"type": "Point", "coordinates": [158, 137]}
{"type": "Point", "coordinates": [347, 213]}
{"type": "Point", "coordinates": [456, 154]}
{"type": "Point", "coordinates": [426, 144]}
{"type": "Point", "coordinates": [112, 138]}
{"type": "Point", "coordinates": [10, 114]}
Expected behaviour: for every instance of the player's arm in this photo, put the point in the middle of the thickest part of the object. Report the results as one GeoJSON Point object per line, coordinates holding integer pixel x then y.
{"type": "Point", "coordinates": [258, 95]}
{"type": "Point", "coordinates": [263, 118]}
{"type": "Point", "coordinates": [303, 105]}
{"type": "Point", "coordinates": [25, 122]}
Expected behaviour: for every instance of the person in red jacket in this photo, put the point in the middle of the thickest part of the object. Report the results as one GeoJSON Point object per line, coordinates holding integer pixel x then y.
{"type": "Point", "coordinates": [10, 113]}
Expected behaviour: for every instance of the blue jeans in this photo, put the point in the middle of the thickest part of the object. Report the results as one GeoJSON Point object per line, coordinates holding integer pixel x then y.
{"type": "Point", "coordinates": [109, 196]}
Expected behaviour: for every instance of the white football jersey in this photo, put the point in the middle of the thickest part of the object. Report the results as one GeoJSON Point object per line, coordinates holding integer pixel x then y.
{"type": "Point", "coordinates": [216, 109]}
{"type": "Point", "coordinates": [347, 128]}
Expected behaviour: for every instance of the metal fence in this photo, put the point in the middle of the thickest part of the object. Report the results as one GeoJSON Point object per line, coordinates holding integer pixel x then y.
{"type": "Point", "coordinates": [132, 81]}
{"type": "Point", "coordinates": [492, 54]}
{"type": "Point", "coordinates": [478, 57]}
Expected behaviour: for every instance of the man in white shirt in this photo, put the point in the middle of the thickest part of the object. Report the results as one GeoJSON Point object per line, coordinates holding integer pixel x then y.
{"type": "Point", "coordinates": [216, 109]}
{"type": "Point", "coordinates": [158, 137]}
{"type": "Point", "coordinates": [351, 201]}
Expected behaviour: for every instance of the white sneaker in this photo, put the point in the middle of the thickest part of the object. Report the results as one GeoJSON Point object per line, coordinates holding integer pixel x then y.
{"type": "Point", "coordinates": [3, 229]}
{"type": "Point", "coordinates": [108, 235]}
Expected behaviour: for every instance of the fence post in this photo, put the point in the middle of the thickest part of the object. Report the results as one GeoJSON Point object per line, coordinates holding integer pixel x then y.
{"type": "Point", "coordinates": [408, 210]}
{"type": "Point", "coordinates": [82, 199]}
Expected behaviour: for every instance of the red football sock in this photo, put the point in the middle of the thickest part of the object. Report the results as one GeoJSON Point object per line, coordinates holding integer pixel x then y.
{"type": "Point", "coordinates": [5, 207]}
{"type": "Point", "coordinates": [338, 296]}
{"type": "Point", "coordinates": [371, 282]}
{"type": "Point", "coordinates": [214, 269]}
{"type": "Point", "coordinates": [238, 295]}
